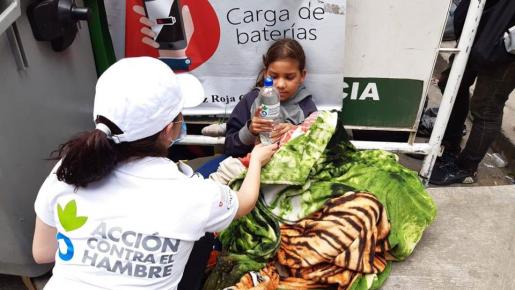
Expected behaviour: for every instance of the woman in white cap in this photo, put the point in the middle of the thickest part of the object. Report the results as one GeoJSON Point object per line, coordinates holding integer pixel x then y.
{"type": "Point", "coordinates": [115, 213]}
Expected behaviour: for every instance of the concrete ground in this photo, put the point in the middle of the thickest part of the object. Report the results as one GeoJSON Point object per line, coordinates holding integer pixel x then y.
{"type": "Point", "coordinates": [469, 246]}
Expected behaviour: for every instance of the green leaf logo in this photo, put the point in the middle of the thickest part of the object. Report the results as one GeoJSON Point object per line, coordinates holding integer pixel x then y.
{"type": "Point", "coordinates": [68, 216]}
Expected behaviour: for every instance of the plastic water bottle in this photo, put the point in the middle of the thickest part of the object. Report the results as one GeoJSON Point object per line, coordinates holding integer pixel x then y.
{"type": "Point", "coordinates": [269, 104]}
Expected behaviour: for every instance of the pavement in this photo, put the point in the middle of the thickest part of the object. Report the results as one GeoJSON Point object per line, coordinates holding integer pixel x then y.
{"type": "Point", "coordinates": [469, 245]}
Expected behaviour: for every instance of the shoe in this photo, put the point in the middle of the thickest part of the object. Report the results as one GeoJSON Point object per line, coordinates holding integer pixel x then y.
{"type": "Point", "coordinates": [214, 130]}
{"type": "Point", "coordinates": [450, 173]}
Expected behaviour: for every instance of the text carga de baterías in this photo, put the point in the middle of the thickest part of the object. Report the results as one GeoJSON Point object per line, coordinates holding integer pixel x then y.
{"type": "Point", "coordinates": [277, 24]}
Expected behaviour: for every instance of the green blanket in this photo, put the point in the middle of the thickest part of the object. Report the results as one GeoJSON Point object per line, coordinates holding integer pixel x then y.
{"type": "Point", "coordinates": [302, 176]}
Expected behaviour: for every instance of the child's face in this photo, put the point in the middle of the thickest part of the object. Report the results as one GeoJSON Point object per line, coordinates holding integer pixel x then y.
{"type": "Point", "coordinates": [287, 77]}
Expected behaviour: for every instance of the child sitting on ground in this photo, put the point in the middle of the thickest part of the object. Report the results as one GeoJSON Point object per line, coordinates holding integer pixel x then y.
{"type": "Point", "coordinates": [285, 62]}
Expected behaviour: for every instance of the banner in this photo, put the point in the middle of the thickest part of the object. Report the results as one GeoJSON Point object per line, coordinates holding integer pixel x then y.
{"type": "Point", "coordinates": [387, 51]}
{"type": "Point", "coordinates": [381, 102]}
{"type": "Point", "coordinates": [223, 42]}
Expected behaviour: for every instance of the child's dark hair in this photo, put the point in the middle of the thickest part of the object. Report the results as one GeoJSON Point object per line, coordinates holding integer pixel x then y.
{"type": "Point", "coordinates": [91, 156]}
{"type": "Point", "coordinates": [282, 49]}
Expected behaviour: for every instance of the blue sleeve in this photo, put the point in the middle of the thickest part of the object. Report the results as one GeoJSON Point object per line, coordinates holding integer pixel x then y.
{"type": "Point", "coordinates": [238, 139]}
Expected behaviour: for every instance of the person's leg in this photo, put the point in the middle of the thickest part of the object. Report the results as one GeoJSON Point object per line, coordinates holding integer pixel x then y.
{"type": "Point", "coordinates": [211, 166]}
{"type": "Point", "coordinates": [454, 131]}
{"type": "Point", "coordinates": [446, 164]}
{"type": "Point", "coordinates": [493, 88]}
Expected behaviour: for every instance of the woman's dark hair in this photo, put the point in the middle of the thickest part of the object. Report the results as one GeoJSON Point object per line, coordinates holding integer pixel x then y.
{"type": "Point", "coordinates": [280, 50]}
{"type": "Point", "coordinates": [91, 155]}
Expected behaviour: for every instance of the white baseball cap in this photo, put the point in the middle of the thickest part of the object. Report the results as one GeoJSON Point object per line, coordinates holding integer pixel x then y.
{"type": "Point", "coordinates": [142, 95]}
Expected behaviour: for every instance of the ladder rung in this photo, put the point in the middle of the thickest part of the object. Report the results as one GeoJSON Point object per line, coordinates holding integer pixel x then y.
{"type": "Point", "coordinates": [449, 50]}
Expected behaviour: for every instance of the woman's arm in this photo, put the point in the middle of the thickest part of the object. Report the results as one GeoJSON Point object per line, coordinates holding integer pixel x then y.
{"type": "Point", "coordinates": [249, 190]}
{"type": "Point", "coordinates": [44, 245]}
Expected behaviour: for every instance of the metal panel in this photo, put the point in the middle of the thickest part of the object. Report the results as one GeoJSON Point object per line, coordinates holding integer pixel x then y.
{"type": "Point", "coordinates": [41, 106]}
{"type": "Point", "coordinates": [9, 11]}
{"type": "Point", "coordinates": [398, 42]}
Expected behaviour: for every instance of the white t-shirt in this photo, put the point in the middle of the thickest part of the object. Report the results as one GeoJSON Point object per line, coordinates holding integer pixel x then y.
{"type": "Point", "coordinates": [133, 229]}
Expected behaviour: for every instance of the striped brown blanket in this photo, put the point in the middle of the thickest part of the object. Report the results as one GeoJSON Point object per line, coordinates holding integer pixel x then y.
{"type": "Point", "coordinates": [333, 246]}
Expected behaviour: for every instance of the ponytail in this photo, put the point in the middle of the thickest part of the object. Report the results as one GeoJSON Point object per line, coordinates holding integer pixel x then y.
{"type": "Point", "coordinates": [91, 156]}
{"type": "Point", "coordinates": [87, 158]}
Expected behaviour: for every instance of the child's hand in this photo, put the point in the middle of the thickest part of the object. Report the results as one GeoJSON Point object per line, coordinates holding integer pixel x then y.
{"type": "Point", "coordinates": [263, 153]}
{"type": "Point", "coordinates": [259, 125]}
{"type": "Point", "coordinates": [279, 130]}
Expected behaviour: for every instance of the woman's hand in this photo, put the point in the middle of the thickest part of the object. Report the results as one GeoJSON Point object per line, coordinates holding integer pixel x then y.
{"type": "Point", "coordinates": [260, 125]}
{"type": "Point", "coordinates": [279, 130]}
{"type": "Point", "coordinates": [249, 190]}
{"type": "Point", "coordinates": [263, 153]}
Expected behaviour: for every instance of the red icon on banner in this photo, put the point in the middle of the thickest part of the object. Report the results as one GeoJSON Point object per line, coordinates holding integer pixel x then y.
{"type": "Point", "coordinates": [182, 33]}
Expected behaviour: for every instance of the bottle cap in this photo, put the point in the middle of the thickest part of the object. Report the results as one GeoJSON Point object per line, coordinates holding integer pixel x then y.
{"type": "Point", "coordinates": [268, 82]}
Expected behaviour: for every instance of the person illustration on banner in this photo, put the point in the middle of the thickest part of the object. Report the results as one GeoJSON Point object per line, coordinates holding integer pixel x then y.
{"type": "Point", "coordinates": [169, 29]}
{"type": "Point", "coordinates": [285, 62]}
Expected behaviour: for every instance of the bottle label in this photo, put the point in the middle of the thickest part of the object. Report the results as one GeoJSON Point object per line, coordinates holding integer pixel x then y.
{"type": "Point", "coordinates": [270, 111]}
